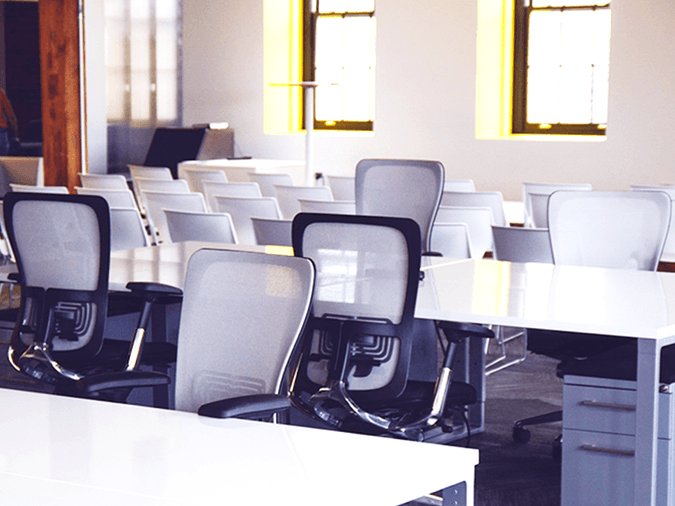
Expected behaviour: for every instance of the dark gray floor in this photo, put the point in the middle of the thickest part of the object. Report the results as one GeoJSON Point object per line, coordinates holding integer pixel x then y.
{"type": "Point", "coordinates": [509, 473]}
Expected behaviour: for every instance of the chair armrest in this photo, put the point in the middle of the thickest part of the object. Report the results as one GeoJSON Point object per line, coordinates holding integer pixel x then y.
{"type": "Point", "coordinates": [124, 379]}
{"type": "Point", "coordinates": [153, 290]}
{"type": "Point", "coordinates": [457, 331]}
{"type": "Point", "coordinates": [432, 254]}
{"type": "Point", "coordinates": [249, 406]}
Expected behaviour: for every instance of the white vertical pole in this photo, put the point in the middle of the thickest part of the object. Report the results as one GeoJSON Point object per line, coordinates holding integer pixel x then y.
{"type": "Point", "coordinates": [309, 134]}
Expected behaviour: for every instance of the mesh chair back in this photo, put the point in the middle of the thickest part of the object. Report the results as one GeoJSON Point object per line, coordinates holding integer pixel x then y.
{"type": "Point", "coordinates": [521, 244]}
{"type": "Point", "coordinates": [272, 232]}
{"type": "Point", "coordinates": [493, 200]}
{"type": "Point", "coordinates": [209, 227]}
{"type": "Point", "coordinates": [343, 187]}
{"type": "Point", "coordinates": [127, 229]}
{"type": "Point", "coordinates": [367, 279]}
{"type": "Point", "coordinates": [479, 221]}
{"type": "Point", "coordinates": [401, 188]}
{"type": "Point", "coordinates": [106, 181]}
{"type": "Point", "coordinates": [62, 249]}
{"type": "Point", "coordinates": [241, 317]}
{"type": "Point", "coordinates": [115, 198]}
{"type": "Point", "coordinates": [242, 209]}
{"type": "Point", "coordinates": [289, 197]}
{"type": "Point", "coordinates": [267, 182]}
{"type": "Point", "coordinates": [213, 188]}
{"type": "Point", "coordinates": [669, 248]}
{"type": "Point", "coordinates": [156, 202]}
{"type": "Point", "coordinates": [619, 230]}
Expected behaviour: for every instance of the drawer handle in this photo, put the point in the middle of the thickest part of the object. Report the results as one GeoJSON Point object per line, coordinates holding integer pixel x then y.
{"type": "Point", "coordinates": [608, 405]}
{"type": "Point", "coordinates": [614, 451]}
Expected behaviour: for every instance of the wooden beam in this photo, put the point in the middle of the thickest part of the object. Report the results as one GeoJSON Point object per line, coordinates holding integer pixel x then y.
{"type": "Point", "coordinates": [60, 78]}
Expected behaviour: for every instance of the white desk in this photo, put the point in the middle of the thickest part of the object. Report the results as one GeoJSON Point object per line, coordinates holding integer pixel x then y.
{"type": "Point", "coordinates": [79, 452]}
{"type": "Point", "coordinates": [622, 303]}
{"type": "Point", "coordinates": [636, 304]}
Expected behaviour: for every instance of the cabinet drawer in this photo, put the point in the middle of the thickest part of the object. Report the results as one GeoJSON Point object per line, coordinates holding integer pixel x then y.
{"type": "Point", "coordinates": [598, 469]}
{"type": "Point", "coordinates": [609, 410]}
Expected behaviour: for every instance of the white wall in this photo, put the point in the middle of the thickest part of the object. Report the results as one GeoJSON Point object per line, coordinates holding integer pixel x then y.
{"type": "Point", "coordinates": [96, 120]}
{"type": "Point", "coordinates": [425, 96]}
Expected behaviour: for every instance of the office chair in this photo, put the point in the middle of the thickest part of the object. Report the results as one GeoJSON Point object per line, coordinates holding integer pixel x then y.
{"type": "Point", "coordinates": [355, 369]}
{"type": "Point", "coordinates": [493, 200]}
{"type": "Point", "coordinates": [127, 230]}
{"type": "Point", "coordinates": [272, 232]}
{"type": "Point", "coordinates": [459, 185]}
{"type": "Point", "coordinates": [104, 181]}
{"type": "Point", "coordinates": [289, 197]}
{"type": "Point", "coordinates": [402, 188]}
{"type": "Point", "coordinates": [241, 318]}
{"type": "Point", "coordinates": [479, 220]}
{"type": "Point", "coordinates": [115, 198]}
{"type": "Point", "coordinates": [195, 177]}
{"type": "Point", "coordinates": [267, 182]}
{"type": "Point", "coordinates": [342, 187]}
{"type": "Point", "coordinates": [213, 188]}
{"type": "Point", "coordinates": [546, 188]}
{"type": "Point", "coordinates": [209, 227]}
{"type": "Point", "coordinates": [452, 240]}
{"type": "Point", "coordinates": [242, 209]}
{"type": "Point", "coordinates": [614, 230]}
{"type": "Point", "coordinates": [62, 249]}
{"type": "Point", "coordinates": [155, 202]}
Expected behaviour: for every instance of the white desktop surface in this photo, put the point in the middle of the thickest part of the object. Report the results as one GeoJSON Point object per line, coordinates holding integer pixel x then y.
{"type": "Point", "coordinates": [59, 450]}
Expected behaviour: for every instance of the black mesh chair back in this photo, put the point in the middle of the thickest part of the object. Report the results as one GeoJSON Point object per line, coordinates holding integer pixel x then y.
{"type": "Point", "coordinates": [401, 188]}
{"type": "Point", "coordinates": [62, 249]}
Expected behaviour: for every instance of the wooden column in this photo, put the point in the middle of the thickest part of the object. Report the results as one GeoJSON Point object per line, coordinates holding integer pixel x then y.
{"type": "Point", "coordinates": [60, 77]}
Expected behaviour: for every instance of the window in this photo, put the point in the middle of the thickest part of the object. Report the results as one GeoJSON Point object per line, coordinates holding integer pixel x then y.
{"type": "Point", "coordinates": [339, 54]}
{"type": "Point", "coordinates": [561, 66]}
{"type": "Point", "coordinates": [142, 61]}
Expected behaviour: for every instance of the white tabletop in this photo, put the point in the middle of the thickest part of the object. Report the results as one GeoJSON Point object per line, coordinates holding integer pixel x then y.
{"type": "Point", "coordinates": [533, 295]}
{"type": "Point", "coordinates": [60, 450]}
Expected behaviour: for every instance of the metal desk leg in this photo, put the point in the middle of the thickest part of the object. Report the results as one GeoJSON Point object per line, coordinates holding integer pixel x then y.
{"type": "Point", "coordinates": [649, 358]}
{"type": "Point", "coordinates": [455, 495]}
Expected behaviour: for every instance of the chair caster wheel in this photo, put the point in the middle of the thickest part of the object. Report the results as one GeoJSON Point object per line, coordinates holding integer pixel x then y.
{"type": "Point", "coordinates": [556, 452]}
{"type": "Point", "coordinates": [521, 434]}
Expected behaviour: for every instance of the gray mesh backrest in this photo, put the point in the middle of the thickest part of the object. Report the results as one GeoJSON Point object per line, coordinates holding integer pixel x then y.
{"type": "Point", "coordinates": [522, 244]}
{"type": "Point", "coordinates": [619, 230]}
{"type": "Point", "coordinates": [241, 316]}
{"type": "Point", "coordinates": [401, 188]}
{"type": "Point", "coordinates": [59, 244]}
{"type": "Point", "coordinates": [156, 202]}
{"type": "Point", "coordinates": [669, 248]}
{"type": "Point", "coordinates": [242, 209]}
{"type": "Point", "coordinates": [362, 270]}
{"type": "Point", "coordinates": [288, 197]}
{"type": "Point", "coordinates": [210, 227]}
{"type": "Point", "coordinates": [493, 200]}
